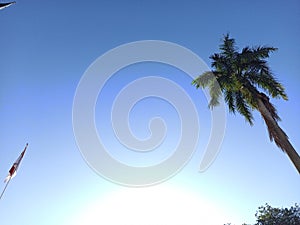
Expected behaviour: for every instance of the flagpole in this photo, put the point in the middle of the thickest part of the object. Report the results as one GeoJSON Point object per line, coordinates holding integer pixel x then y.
{"type": "Point", "coordinates": [13, 170]}
{"type": "Point", "coordinates": [5, 188]}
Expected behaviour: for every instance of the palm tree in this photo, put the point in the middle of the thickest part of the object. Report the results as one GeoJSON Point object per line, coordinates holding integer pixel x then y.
{"type": "Point", "coordinates": [246, 81]}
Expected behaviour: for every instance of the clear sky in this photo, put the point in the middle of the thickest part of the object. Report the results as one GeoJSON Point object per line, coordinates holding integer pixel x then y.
{"type": "Point", "coordinates": [46, 46]}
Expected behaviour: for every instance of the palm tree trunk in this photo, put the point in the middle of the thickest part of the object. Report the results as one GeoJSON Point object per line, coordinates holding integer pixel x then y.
{"type": "Point", "coordinates": [277, 134]}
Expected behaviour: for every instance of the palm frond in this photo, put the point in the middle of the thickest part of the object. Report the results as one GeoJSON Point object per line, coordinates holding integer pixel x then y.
{"type": "Point", "coordinates": [262, 52]}
{"type": "Point", "coordinates": [228, 46]}
{"type": "Point", "coordinates": [266, 81]}
{"type": "Point", "coordinates": [204, 79]}
{"type": "Point", "coordinates": [215, 94]}
{"type": "Point", "coordinates": [230, 100]}
{"type": "Point", "coordinates": [243, 108]}
{"type": "Point", "coordinates": [220, 63]}
{"type": "Point", "coordinates": [269, 83]}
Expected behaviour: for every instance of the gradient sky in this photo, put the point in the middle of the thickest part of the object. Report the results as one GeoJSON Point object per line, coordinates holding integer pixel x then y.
{"type": "Point", "coordinates": [46, 46]}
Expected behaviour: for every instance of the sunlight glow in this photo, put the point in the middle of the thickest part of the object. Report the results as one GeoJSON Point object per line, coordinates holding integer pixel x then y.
{"type": "Point", "coordinates": [158, 205]}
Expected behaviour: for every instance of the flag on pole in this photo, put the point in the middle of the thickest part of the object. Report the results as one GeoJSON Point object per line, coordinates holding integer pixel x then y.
{"type": "Point", "coordinates": [4, 5]}
{"type": "Point", "coordinates": [13, 170]}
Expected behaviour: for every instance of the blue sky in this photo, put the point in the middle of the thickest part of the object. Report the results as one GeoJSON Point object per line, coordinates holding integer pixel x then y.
{"type": "Point", "coordinates": [48, 45]}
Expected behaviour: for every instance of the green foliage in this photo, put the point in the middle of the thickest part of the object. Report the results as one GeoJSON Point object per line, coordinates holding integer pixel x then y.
{"type": "Point", "coordinates": [267, 215]}
{"type": "Point", "coordinates": [240, 76]}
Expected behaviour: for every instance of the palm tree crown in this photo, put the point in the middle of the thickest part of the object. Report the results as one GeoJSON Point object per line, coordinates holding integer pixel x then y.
{"type": "Point", "coordinates": [239, 76]}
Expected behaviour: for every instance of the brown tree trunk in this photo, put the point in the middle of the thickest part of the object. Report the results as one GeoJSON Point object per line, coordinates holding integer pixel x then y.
{"type": "Point", "coordinates": [277, 134]}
